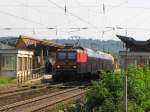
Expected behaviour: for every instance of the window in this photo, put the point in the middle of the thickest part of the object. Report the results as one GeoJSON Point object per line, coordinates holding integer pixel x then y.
{"type": "Point", "coordinates": [66, 55]}
{"type": "Point", "coordinates": [61, 55]}
{"type": "Point", "coordinates": [71, 55]}
{"type": "Point", "coordinates": [30, 64]}
{"type": "Point", "coordinates": [19, 63]}
{"type": "Point", "coordinates": [24, 64]}
{"type": "Point", "coordinates": [8, 62]}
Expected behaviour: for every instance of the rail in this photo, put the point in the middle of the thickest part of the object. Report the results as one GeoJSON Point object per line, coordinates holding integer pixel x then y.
{"type": "Point", "coordinates": [57, 97]}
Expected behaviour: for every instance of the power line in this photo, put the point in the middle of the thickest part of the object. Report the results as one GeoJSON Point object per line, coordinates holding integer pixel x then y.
{"type": "Point", "coordinates": [34, 8]}
{"type": "Point", "coordinates": [22, 18]}
{"type": "Point", "coordinates": [61, 8]}
{"type": "Point", "coordinates": [116, 6]}
{"type": "Point", "coordinates": [96, 6]}
{"type": "Point", "coordinates": [79, 5]}
{"type": "Point", "coordinates": [79, 18]}
{"type": "Point", "coordinates": [32, 21]}
{"type": "Point", "coordinates": [130, 19]}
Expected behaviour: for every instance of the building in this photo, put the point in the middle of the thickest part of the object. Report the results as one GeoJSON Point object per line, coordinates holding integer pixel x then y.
{"type": "Point", "coordinates": [25, 57]}
{"type": "Point", "coordinates": [137, 52]}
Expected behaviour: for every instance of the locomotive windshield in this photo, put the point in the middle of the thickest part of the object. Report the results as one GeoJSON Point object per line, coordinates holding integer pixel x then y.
{"type": "Point", "coordinates": [66, 55]}
{"type": "Point", "coordinates": [61, 55]}
{"type": "Point", "coordinates": [71, 55]}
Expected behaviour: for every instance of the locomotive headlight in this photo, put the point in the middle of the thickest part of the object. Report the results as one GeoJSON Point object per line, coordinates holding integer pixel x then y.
{"type": "Point", "coordinates": [58, 66]}
{"type": "Point", "coordinates": [74, 66]}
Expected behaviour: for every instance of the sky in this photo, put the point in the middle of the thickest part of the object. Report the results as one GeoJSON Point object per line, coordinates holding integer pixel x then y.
{"type": "Point", "coordinates": [57, 19]}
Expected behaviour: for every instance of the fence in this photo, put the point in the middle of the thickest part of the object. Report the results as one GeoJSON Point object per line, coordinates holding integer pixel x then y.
{"type": "Point", "coordinates": [24, 76]}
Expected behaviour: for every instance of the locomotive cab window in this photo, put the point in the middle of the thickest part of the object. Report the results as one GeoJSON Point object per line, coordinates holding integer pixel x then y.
{"type": "Point", "coordinates": [61, 55]}
{"type": "Point", "coordinates": [71, 55]}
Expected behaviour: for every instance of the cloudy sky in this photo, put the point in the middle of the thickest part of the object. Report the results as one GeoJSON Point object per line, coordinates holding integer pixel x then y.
{"type": "Point", "coordinates": [98, 19]}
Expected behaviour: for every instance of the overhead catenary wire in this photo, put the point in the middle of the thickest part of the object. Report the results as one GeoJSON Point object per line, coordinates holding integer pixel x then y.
{"type": "Point", "coordinates": [67, 7]}
{"type": "Point", "coordinates": [61, 28]}
{"type": "Point", "coordinates": [79, 18]}
{"type": "Point", "coordinates": [22, 18]}
{"type": "Point", "coordinates": [81, 6]}
{"type": "Point", "coordinates": [47, 6]}
{"type": "Point", "coordinates": [34, 8]}
{"type": "Point", "coordinates": [24, 5]}
{"type": "Point", "coordinates": [130, 19]}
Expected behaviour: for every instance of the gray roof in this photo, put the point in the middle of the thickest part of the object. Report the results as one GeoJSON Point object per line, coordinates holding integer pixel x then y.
{"type": "Point", "coordinates": [11, 41]}
{"type": "Point", "coordinates": [134, 45]}
{"type": "Point", "coordinates": [129, 41]}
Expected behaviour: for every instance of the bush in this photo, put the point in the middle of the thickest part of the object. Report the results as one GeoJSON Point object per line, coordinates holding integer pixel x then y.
{"type": "Point", "coordinates": [106, 94]}
{"type": "Point", "coordinates": [96, 95]}
{"type": "Point", "coordinates": [138, 87]}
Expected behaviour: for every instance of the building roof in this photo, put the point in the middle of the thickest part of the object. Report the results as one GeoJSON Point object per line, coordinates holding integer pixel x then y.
{"type": "Point", "coordinates": [135, 45]}
{"type": "Point", "coordinates": [25, 42]}
{"type": "Point", "coordinates": [11, 41]}
{"type": "Point", "coordinates": [29, 42]}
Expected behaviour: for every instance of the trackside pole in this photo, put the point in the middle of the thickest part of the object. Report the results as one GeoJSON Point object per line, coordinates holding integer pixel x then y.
{"type": "Point", "coordinates": [125, 86]}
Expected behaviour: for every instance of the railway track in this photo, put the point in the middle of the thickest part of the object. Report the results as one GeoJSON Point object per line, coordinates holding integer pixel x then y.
{"type": "Point", "coordinates": [19, 91]}
{"type": "Point", "coordinates": [20, 95]}
{"type": "Point", "coordinates": [29, 89]}
{"type": "Point", "coordinates": [41, 102]}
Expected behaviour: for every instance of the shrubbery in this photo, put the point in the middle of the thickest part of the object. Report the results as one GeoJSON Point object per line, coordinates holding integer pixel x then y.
{"type": "Point", "coordinates": [106, 94]}
{"type": "Point", "coordinates": [139, 88]}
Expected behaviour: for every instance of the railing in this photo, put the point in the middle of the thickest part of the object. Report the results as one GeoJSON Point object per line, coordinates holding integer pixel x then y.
{"type": "Point", "coordinates": [38, 72]}
{"type": "Point", "coordinates": [30, 74]}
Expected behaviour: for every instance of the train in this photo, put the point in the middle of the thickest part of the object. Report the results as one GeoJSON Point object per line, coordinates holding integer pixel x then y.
{"type": "Point", "coordinates": [73, 63]}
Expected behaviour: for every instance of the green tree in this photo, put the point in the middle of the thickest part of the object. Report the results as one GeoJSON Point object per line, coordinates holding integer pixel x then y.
{"type": "Point", "coordinates": [106, 94]}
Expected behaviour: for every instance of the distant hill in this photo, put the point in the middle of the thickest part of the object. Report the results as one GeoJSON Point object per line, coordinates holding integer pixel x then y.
{"type": "Point", "coordinates": [107, 46]}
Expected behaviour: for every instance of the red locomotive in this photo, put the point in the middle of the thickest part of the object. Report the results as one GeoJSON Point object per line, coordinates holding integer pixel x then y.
{"type": "Point", "coordinates": [77, 62]}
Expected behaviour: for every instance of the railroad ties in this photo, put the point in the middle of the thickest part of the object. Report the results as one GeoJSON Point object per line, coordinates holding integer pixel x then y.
{"type": "Point", "coordinates": [44, 101]}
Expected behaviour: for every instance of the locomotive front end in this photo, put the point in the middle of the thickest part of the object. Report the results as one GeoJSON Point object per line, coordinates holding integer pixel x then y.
{"type": "Point", "coordinates": [66, 66]}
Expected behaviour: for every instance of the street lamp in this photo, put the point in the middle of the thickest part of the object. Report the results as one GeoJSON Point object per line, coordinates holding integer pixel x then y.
{"type": "Point", "coordinates": [120, 28]}
{"type": "Point", "coordinates": [72, 29]}
{"type": "Point", "coordinates": [51, 28]}
{"type": "Point", "coordinates": [7, 28]}
{"type": "Point", "coordinates": [78, 29]}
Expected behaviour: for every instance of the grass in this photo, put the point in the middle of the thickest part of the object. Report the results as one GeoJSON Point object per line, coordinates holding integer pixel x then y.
{"type": "Point", "coordinates": [5, 79]}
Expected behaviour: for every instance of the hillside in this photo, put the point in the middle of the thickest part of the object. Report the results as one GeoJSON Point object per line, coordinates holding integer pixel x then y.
{"type": "Point", "coordinates": [107, 46]}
